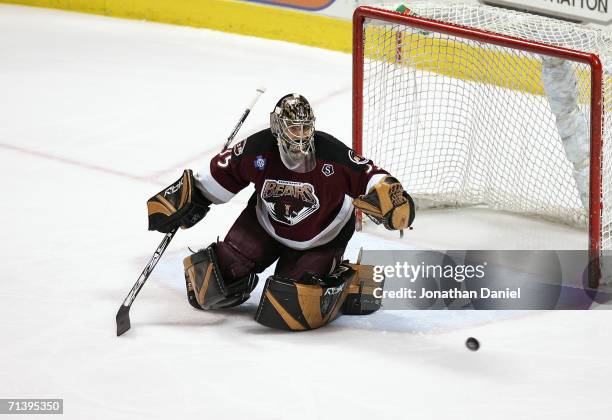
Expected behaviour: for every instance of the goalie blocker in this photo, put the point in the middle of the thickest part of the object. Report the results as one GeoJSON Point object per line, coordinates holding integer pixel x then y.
{"type": "Point", "coordinates": [180, 205]}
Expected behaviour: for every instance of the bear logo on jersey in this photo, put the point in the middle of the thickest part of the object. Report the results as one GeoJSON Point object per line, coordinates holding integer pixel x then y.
{"type": "Point", "coordinates": [289, 202]}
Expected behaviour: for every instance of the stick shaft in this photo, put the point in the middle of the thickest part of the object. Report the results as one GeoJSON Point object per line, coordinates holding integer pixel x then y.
{"type": "Point", "coordinates": [149, 268]}
{"type": "Point", "coordinates": [123, 314]}
{"type": "Point", "coordinates": [244, 116]}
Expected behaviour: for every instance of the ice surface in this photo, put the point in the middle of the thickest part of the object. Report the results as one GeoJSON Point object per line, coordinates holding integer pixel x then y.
{"type": "Point", "coordinates": [96, 115]}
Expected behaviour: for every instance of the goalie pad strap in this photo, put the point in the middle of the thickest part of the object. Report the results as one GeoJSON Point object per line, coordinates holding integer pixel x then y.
{"type": "Point", "coordinates": [181, 204]}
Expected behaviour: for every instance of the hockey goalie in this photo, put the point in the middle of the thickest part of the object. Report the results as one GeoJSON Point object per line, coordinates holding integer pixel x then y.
{"type": "Point", "coordinates": [301, 216]}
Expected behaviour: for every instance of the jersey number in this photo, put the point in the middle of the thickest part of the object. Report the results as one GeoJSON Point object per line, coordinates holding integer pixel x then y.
{"type": "Point", "coordinates": [223, 163]}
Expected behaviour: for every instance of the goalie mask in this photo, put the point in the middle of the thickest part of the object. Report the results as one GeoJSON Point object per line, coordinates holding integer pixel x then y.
{"type": "Point", "coordinates": [292, 122]}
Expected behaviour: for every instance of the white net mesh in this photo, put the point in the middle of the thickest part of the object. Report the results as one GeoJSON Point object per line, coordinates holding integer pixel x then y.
{"type": "Point", "coordinates": [463, 123]}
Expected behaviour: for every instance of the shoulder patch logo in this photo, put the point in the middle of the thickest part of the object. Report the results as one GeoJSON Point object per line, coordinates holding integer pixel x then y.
{"type": "Point", "coordinates": [328, 169]}
{"type": "Point", "coordinates": [239, 148]}
{"type": "Point", "coordinates": [355, 158]}
{"type": "Point", "coordinates": [289, 202]}
{"type": "Point", "coordinates": [260, 162]}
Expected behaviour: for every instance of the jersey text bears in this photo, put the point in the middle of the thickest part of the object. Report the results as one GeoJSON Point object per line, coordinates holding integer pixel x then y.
{"type": "Point", "coordinates": [289, 202]}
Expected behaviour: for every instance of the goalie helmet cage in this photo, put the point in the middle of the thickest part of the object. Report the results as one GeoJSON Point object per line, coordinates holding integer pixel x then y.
{"type": "Point", "coordinates": [475, 105]}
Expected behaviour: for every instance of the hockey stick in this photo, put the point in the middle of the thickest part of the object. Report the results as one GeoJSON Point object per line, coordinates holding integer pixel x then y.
{"type": "Point", "coordinates": [123, 315]}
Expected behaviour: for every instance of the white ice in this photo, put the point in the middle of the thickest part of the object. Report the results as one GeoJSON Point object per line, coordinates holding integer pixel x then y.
{"type": "Point", "coordinates": [98, 114]}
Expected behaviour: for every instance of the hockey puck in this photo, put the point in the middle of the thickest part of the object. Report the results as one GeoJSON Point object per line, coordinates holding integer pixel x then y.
{"type": "Point", "coordinates": [472, 344]}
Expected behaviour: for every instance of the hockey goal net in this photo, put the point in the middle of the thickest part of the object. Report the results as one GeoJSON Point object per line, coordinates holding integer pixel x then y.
{"type": "Point", "coordinates": [471, 105]}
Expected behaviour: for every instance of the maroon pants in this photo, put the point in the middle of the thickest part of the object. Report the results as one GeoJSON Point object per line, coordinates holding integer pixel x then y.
{"type": "Point", "coordinates": [247, 248]}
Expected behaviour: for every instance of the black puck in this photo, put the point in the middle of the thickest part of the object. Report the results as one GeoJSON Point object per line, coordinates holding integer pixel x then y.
{"type": "Point", "coordinates": [472, 344]}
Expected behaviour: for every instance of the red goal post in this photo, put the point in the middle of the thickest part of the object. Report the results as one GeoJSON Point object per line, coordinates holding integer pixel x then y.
{"type": "Point", "coordinates": [382, 16]}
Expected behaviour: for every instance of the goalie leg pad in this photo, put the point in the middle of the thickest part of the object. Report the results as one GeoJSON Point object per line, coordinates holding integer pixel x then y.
{"type": "Point", "coordinates": [206, 288]}
{"type": "Point", "coordinates": [311, 303]}
{"type": "Point", "coordinates": [290, 305]}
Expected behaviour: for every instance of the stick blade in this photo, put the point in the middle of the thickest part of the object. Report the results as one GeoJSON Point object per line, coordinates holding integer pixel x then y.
{"type": "Point", "coordinates": [123, 320]}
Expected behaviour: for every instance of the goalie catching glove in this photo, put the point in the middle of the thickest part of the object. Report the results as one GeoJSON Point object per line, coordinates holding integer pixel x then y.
{"type": "Point", "coordinates": [387, 203]}
{"type": "Point", "coordinates": [182, 204]}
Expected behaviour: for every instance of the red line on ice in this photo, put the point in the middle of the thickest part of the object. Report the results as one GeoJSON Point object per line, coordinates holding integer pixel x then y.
{"type": "Point", "coordinates": [80, 164]}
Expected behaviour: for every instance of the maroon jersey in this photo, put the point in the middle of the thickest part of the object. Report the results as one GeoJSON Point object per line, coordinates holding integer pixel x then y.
{"type": "Point", "coordinates": [300, 210]}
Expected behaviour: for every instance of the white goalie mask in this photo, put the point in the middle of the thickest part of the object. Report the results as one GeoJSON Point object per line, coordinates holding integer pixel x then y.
{"type": "Point", "coordinates": [292, 122]}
